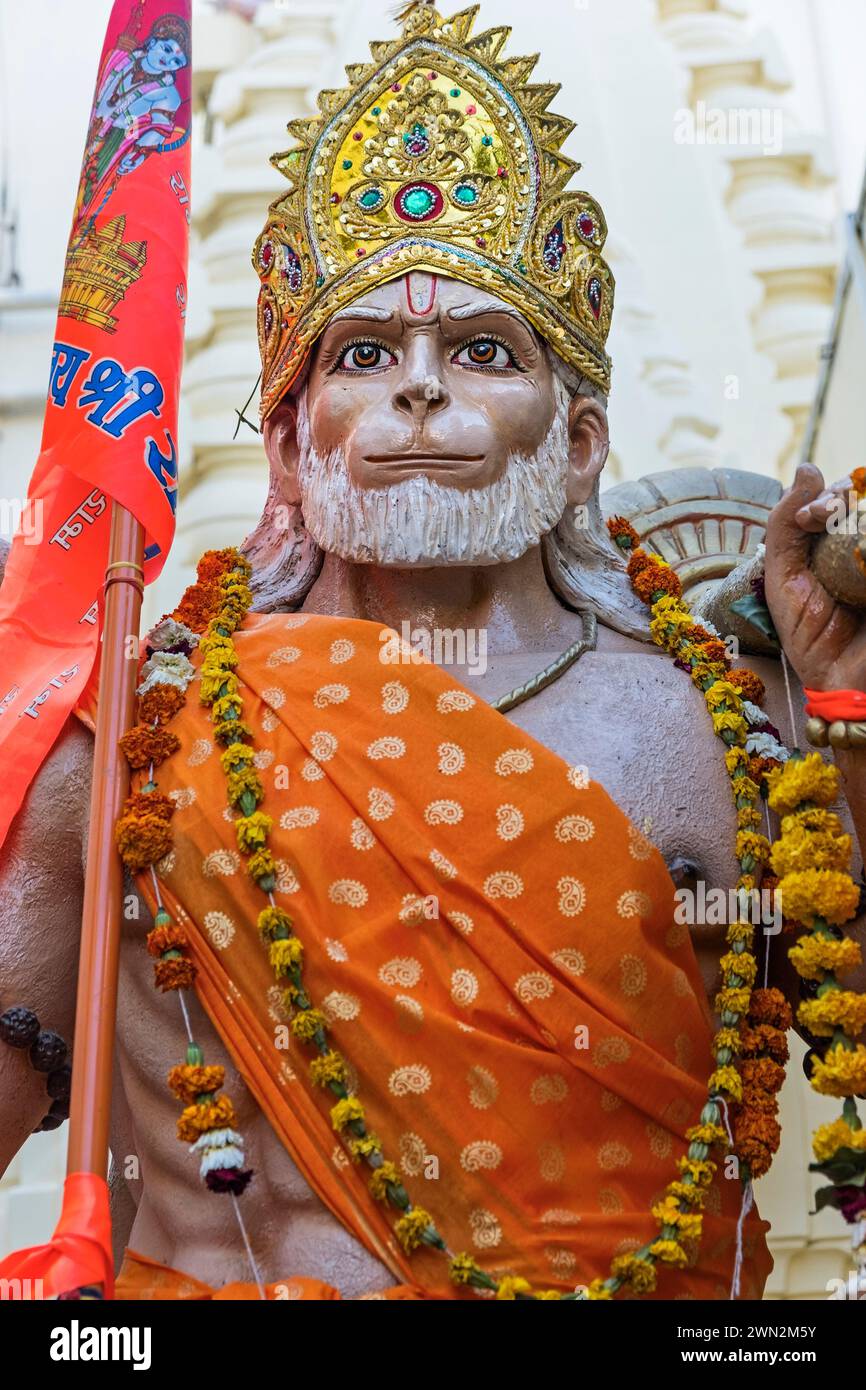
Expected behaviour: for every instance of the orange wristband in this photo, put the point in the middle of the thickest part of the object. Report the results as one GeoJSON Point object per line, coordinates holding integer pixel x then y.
{"type": "Point", "coordinates": [833, 705]}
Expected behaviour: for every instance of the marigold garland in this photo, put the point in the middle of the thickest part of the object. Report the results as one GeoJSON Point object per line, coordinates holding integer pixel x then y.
{"type": "Point", "coordinates": [829, 1139]}
{"type": "Point", "coordinates": [143, 837]}
{"type": "Point", "coordinates": [174, 972]}
{"type": "Point", "coordinates": [147, 745]}
{"type": "Point", "coordinates": [160, 704]}
{"type": "Point", "coordinates": [815, 956]}
{"type": "Point", "coordinates": [810, 861]}
{"type": "Point", "coordinates": [811, 857]}
{"type": "Point", "coordinates": [731, 697]}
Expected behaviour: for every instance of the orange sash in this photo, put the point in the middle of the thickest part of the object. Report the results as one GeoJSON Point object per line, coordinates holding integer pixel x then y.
{"type": "Point", "coordinates": [492, 940]}
{"type": "Point", "coordinates": [144, 1279]}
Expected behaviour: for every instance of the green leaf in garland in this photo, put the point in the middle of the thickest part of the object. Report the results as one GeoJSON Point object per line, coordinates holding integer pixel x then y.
{"type": "Point", "coordinates": [828, 1197]}
{"type": "Point", "coordinates": [847, 1167]}
{"type": "Point", "coordinates": [757, 615]}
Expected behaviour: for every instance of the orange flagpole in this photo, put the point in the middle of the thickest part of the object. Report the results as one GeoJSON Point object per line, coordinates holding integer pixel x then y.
{"type": "Point", "coordinates": [96, 1006]}
{"type": "Point", "coordinates": [77, 1261]}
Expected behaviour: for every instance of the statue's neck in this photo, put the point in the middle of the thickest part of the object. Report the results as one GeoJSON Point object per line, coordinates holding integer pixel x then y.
{"type": "Point", "coordinates": [512, 603]}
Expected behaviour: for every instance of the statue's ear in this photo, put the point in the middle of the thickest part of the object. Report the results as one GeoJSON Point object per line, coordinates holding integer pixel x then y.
{"type": "Point", "coordinates": [280, 434]}
{"type": "Point", "coordinates": [589, 442]}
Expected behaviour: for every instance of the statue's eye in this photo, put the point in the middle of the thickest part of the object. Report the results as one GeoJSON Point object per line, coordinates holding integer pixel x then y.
{"type": "Point", "coordinates": [484, 352]}
{"type": "Point", "coordinates": [365, 357]}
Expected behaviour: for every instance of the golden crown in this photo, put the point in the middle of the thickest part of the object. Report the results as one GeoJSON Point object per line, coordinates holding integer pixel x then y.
{"type": "Point", "coordinates": [439, 156]}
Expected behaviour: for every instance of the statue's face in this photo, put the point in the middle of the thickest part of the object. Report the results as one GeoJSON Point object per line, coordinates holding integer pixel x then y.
{"type": "Point", "coordinates": [428, 377]}
{"type": "Point", "coordinates": [433, 431]}
{"type": "Point", "coordinates": [165, 55]}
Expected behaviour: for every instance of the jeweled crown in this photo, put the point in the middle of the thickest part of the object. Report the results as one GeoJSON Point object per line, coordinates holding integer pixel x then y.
{"type": "Point", "coordinates": [439, 156]}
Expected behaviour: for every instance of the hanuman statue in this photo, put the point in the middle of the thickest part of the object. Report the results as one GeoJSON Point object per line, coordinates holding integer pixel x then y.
{"type": "Point", "coordinates": [433, 1023]}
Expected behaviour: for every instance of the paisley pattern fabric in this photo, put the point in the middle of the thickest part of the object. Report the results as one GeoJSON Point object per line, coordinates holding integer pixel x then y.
{"type": "Point", "coordinates": [493, 944]}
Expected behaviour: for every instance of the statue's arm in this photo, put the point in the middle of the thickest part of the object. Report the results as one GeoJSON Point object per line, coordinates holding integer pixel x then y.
{"type": "Point", "coordinates": [41, 885]}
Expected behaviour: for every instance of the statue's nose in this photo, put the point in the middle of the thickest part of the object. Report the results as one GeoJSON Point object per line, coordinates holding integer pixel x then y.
{"type": "Point", "coordinates": [421, 395]}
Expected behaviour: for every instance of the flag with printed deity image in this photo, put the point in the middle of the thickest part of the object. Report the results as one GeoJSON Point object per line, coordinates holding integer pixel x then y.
{"type": "Point", "coordinates": [110, 428]}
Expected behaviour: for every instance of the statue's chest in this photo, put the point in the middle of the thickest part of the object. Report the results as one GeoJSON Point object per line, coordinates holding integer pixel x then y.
{"type": "Point", "coordinates": [641, 729]}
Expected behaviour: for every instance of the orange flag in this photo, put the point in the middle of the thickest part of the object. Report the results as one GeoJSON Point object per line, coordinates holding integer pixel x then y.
{"type": "Point", "coordinates": [110, 428]}
{"type": "Point", "coordinates": [78, 1254]}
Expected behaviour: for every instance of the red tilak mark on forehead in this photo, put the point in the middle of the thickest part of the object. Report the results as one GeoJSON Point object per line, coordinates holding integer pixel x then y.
{"type": "Point", "coordinates": [420, 293]}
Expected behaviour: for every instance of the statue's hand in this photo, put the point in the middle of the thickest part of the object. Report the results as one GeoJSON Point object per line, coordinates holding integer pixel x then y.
{"type": "Point", "coordinates": [824, 641]}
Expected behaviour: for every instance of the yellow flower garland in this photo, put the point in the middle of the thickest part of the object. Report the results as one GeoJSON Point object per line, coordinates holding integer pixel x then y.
{"type": "Point", "coordinates": [810, 857]}
{"type": "Point", "coordinates": [674, 628]}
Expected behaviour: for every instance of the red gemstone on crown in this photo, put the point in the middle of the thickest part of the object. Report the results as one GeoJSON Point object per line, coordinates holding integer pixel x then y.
{"type": "Point", "coordinates": [266, 255]}
{"type": "Point", "coordinates": [594, 295]}
{"type": "Point", "coordinates": [586, 226]}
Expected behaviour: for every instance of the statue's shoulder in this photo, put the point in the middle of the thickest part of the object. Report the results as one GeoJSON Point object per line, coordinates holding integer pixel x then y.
{"type": "Point", "coordinates": [709, 524]}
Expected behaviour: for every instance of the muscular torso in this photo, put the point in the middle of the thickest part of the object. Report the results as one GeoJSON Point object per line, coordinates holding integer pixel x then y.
{"type": "Point", "coordinates": [637, 724]}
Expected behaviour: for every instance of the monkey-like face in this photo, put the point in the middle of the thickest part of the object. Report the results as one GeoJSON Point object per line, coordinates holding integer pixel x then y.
{"type": "Point", "coordinates": [433, 430]}
{"type": "Point", "coordinates": [428, 376]}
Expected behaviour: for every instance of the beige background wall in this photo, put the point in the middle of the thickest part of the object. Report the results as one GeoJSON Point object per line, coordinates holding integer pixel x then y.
{"type": "Point", "coordinates": [725, 258]}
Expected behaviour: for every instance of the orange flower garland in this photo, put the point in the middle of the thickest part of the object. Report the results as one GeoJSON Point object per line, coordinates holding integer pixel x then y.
{"type": "Point", "coordinates": [764, 1052]}
{"type": "Point", "coordinates": [810, 862]}
{"type": "Point", "coordinates": [143, 837]}
{"type": "Point", "coordinates": [750, 1086]}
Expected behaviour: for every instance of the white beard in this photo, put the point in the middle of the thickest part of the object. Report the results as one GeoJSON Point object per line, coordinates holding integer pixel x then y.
{"type": "Point", "coordinates": [419, 522]}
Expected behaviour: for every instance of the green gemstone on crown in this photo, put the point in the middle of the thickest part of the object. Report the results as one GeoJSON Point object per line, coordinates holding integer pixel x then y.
{"type": "Point", "coordinates": [418, 202]}
{"type": "Point", "coordinates": [466, 194]}
{"type": "Point", "coordinates": [371, 199]}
